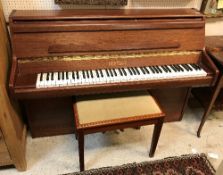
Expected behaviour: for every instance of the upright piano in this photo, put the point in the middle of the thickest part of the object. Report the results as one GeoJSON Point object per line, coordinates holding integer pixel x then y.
{"type": "Point", "coordinates": [60, 54]}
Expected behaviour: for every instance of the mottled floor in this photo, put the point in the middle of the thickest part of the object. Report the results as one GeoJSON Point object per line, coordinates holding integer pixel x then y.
{"type": "Point", "coordinates": [58, 155]}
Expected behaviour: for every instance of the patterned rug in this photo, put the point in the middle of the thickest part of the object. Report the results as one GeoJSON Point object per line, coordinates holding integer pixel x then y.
{"type": "Point", "coordinates": [196, 164]}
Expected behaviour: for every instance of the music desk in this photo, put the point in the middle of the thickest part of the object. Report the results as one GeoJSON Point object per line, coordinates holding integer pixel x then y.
{"type": "Point", "coordinates": [212, 97]}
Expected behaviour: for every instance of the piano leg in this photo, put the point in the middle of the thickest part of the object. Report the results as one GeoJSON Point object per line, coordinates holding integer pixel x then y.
{"type": "Point", "coordinates": [214, 95]}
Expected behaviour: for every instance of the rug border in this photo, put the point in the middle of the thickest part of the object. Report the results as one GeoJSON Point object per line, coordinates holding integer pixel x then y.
{"type": "Point", "coordinates": [184, 156]}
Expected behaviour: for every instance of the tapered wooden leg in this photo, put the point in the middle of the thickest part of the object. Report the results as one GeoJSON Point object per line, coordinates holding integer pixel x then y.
{"type": "Point", "coordinates": [156, 135]}
{"type": "Point", "coordinates": [214, 95]}
{"type": "Point", "coordinates": [81, 150]}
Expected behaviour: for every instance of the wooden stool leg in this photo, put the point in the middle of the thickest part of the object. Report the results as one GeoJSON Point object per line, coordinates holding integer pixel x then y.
{"type": "Point", "coordinates": [156, 135]}
{"type": "Point", "coordinates": [81, 150]}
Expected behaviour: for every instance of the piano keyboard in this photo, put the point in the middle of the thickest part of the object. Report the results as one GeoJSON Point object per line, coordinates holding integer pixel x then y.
{"type": "Point", "coordinates": [104, 76]}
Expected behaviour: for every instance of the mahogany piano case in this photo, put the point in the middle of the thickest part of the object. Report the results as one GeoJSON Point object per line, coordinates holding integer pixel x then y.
{"type": "Point", "coordinates": [66, 41]}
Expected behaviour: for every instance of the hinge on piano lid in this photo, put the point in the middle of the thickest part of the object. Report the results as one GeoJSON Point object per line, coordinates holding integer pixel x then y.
{"type": "Point", "coordinates": [106, 56]}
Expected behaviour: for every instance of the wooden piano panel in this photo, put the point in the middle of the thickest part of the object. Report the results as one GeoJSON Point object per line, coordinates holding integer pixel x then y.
{"type": "Point", "coordinates": [54, 116]}
{"type": "Point", "coordinates": [95, 62]}
{"type": "Point", "coordinates": [50, 116]}
{"type": "Point", "coordinates": [59, 43]}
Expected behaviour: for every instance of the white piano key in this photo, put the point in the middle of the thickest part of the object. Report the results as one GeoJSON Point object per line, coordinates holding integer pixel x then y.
{"type": "Point", "coordinates": [96, 79]}
{"type": "Point", "coordinates": [43, 83]}
{"type": "Point", "coordinates": [115, 76]}
{"type": "Point", "coordinates": [70, 81]}
{"type": "Point", "coordinates": [38, 80]}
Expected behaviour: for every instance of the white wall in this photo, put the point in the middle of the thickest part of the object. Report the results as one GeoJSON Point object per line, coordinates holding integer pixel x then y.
{"type": "Point", "coordinates": [213, 26]}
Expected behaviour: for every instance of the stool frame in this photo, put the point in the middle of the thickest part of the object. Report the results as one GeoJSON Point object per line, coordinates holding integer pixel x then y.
{"type": "Point", "coordinates": [132, 122]}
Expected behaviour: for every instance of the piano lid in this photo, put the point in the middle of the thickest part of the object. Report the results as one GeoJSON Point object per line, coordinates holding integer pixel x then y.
{"type": "Point", "coordinates": [81, 14]}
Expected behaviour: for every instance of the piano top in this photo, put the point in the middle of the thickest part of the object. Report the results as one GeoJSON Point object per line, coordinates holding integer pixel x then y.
{"type": "Point", "coordinates": [103, 14]}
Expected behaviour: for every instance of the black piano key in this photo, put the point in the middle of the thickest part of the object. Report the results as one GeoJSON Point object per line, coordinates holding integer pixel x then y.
{"type": "Point", "coordinates": [143, 71]}
{"type": "Point", "coordinates": [157, 71]}
{"type": "Point", "coordinates": [63, 77]}
{"type": "Point", "coordinates": [192, 65]}
{"type": "Point", "coordinates": [84, 76]}
{"type": "Point", "coordinates": [196, 67]}
{"type": "Point", "coordinates": [47, 76]}
{"type": "Point", "coordinates": [77, 74]}
{"type": "Point", "coordinates": [158, 68]}
{"type": "Point", "coordinates": [52, 77]}
{"type": "Point", "coordinates": [123, 70]}
{"type": "Point", "coordinates": [189, 67]}
{"type": "Point", "coordinates": [91, 73]}
{"type": "Point", "coordinates": [73, 75]}
{"type": "Point", "coordinates": [115, 72]}
{"type": "Point", "coordinates": [120, 72]}
{"type": "Point", "coordinates": [87, 72]}
{"type": "Point", "coordinates": [173, 68]}
{"type": "Point", "coordinates": [179, 68]}
{"type": "Point", "coordinates": [167, 68]}
{"type": "Point", "coordinates": [41, 76]}
{"type": "Point", "coordinates": [146, 69]}
{"type": "Point", "coordinates": [176, 68]}
{"type": "Point", "coordinates": [164, 68]}
{"type": "Point", "coordinates": [58, 75]}
{"type": "Point", "coordinates": [130, 71]}
{"type": "Point", "coordinates": [67, 77]}
{"type": "Point", "coordinates": [185, 67]}
{"type": "Point", "coordinates": [97, 73]}
{"type": "Point", "coordinates": [137, 71]}
{"type": "Point", "coordinates": [110, 71]}
{"type": "Point", "coordinates": [107, 72]}
{"type": "Point", "coordinates": [133, 71]}
{"type": "Point", "coordinates": [101, 73]}
{"type": "Point", "coordinates": [153, 69]}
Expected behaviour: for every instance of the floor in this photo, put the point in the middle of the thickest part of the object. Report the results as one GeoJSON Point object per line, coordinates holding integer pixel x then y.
{"type": "Point", "coordinates": [58, 155]}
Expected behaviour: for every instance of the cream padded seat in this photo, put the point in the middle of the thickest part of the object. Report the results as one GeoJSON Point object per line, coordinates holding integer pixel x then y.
{"type": "Point", "coordinates": [116, 107]}
{"type": "Point", "coordinates": [99, 113]}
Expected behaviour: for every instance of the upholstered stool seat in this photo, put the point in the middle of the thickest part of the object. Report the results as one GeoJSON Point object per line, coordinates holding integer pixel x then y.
{"type": "Point", "coordinates": [99, 113]}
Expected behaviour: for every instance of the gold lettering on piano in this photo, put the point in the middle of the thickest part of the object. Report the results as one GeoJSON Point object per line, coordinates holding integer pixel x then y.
{"type": "Point", "coordinates": [107, 56]}
{"type": "Point", "coordinates": [117, 63]}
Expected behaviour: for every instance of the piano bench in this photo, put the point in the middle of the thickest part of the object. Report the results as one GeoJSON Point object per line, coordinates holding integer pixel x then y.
{"type": "Point", "coordinates": [105, 112]}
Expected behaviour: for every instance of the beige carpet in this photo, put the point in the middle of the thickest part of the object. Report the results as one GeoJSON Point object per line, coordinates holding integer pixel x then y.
{"type": "Point", "coordinates": [59, 155]}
